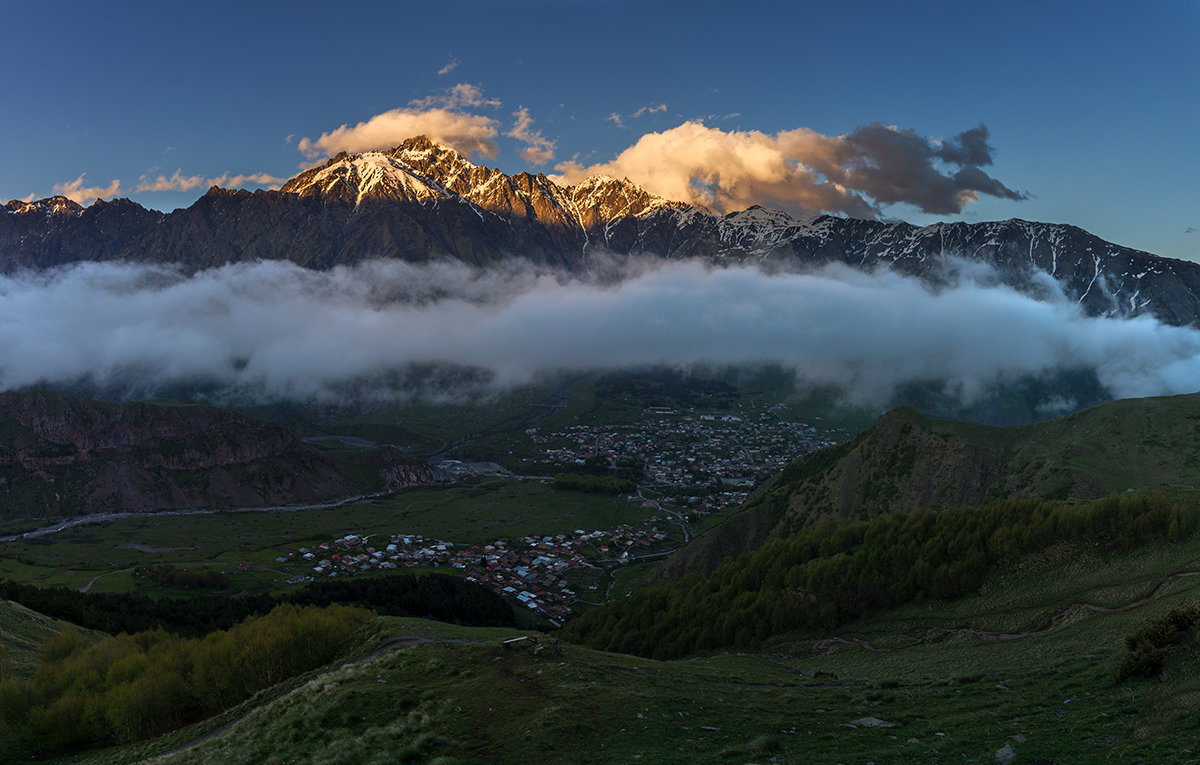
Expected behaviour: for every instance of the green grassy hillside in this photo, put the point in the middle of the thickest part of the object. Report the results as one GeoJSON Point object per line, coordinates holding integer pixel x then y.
{"type": "Point", "coordinates": [23, 632]}
{"type": "Point", "coordinates": [1029, 662]}
{"type": "Point", "coordinates": [907, 461]}
{"type": "Point", "coordinates": [820, 579]}
{"type": "Point", "coordinates": [855, 626]}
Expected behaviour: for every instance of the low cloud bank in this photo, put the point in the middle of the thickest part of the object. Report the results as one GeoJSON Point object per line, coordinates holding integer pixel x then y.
{"type": "Point", "coordinates": [285, 332]}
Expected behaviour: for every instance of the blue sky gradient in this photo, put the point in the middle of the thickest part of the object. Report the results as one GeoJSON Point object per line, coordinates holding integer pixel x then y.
{"type": "Point", "coordinates": [1092, 108]}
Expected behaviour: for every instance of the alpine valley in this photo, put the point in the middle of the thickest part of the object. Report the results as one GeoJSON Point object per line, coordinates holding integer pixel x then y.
{"type": "Point", "coordinates": [667, 563]}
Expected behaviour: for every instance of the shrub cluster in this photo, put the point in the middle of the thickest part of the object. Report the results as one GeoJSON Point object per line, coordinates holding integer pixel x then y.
{"type": "Point", "coordinates": [434, 596]}
{"type": "Point", "coordinates": [1146, 649]}
{"type": "Point", "coordinates": [132, 687]}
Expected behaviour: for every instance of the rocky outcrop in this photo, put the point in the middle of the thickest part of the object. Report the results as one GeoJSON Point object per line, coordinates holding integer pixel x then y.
{"type": "Point", "coordinates": [398, 470]}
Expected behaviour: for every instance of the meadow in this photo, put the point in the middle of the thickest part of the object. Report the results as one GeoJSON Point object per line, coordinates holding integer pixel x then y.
{"type": "Point", "coordinates": [246, 545]}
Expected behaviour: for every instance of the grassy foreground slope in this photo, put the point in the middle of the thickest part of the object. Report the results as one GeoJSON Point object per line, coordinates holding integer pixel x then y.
{"type": "Point", "coordinates": [908, 461]}
{"type": "Point", "coordinates": [23, 632]}
{"type": "Point", "coordinates": [1029, 663]}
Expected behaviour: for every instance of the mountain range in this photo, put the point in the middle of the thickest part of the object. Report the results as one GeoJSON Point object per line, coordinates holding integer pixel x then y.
{"type": "Point", "coordinates": [423, 201]}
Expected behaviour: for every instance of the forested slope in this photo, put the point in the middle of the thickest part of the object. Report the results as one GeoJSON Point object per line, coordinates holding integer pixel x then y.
{"type": "Point", "coordinates": [909, 461]}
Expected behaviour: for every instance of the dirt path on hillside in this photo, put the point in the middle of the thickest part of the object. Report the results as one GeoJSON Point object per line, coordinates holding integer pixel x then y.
{"type": "Point", "coordinates": [821, 646]}
{"type": "Point", "coordinates": [152, 549]}
{"type": "Point", "coordinates": [92, 581]}
{"type": "Point", "coordinates": [1057, 618]}
{"type": "Point", "coordinates": [403, 641]}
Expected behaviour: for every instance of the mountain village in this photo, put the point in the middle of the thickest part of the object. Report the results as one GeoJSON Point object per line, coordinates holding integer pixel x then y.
{"type": "Point", "coordinates": [680, 449]}
{"type": "Point", "coordinates": [543, 573]}
{"type": "Point", "coordinates": [719, 456]}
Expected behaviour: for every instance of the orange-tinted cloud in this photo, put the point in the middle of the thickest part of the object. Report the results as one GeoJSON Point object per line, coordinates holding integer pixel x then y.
{"type": "Point", "coordinates": [76, 192]}
{"type": "Point", "coordinates": [540, 149]}
{"type": "Point", "coordinates": [467, 133]}
{"type": "Point", "coordinates": [804, 171]}
{"type": "Point", "coordinates": [439, 117]}
{"type": "Point", "coordinates": [649, 110]}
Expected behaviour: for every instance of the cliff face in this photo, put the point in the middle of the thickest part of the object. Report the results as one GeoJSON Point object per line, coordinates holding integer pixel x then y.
{"type": "Point", "coordinates": [64, 456]}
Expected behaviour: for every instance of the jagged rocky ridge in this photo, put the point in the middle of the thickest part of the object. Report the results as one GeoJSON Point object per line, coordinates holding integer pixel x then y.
{"type": "Point", "coordinates": [423, 201]}
{"type": "Point", "coordinates": [63, 455]}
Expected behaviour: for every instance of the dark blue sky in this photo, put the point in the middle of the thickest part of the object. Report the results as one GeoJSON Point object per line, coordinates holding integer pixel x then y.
{"type": "Point", "coordinates": [1091, 108]}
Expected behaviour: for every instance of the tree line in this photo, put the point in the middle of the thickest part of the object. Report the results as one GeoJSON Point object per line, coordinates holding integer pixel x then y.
{"type": "Point", "coordinates": [433, 596]}
{"type": "Point", "coordinates": [171, 576]}
{"type": "Point", "coordinates": [820, 578]}
{"type": "Point", "coordinates": [594, 484]}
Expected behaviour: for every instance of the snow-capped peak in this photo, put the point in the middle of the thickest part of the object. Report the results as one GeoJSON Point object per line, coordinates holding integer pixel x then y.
{"type": "Point", "coordinates": [424, 154]}
{"type": "Point", "coordinates": [420, 169]}
{"type": "Point", "coordinates": [371, 174]}
{"type": "Point", "coordinates": [603, 198]}
{"type": "Point", "coordinates": [57, 205]}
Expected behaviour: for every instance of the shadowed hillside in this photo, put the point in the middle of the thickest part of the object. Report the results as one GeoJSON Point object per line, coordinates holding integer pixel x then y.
{"type": "Point", "coordinates": [909, 461]}
{"type": "Point", "coordinates": [63, 455]}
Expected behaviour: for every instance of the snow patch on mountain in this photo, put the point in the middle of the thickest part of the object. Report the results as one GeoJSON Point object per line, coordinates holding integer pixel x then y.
{"type": "Point", "coordinates": [370, 175]}
{"type": "Point", "coordinates": [57, 205]}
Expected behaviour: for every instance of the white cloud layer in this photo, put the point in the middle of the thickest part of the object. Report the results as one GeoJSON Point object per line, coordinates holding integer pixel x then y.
{"type": "Point", "coordinates": [180, 182]}
{"type": "Point", "coordinates": [464, 95]}
{"type": "Point", "coordinates": [78, 193]}
{"type": "Point", "coordinates": [283, 331]}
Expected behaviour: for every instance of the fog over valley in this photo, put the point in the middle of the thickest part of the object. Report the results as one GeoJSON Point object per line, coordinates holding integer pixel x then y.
{"type": "Point", "coordinates": [280, 331]}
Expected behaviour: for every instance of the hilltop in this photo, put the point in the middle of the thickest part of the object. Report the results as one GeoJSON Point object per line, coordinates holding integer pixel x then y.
{"type": "Point", "coordinates": [908, 461]}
